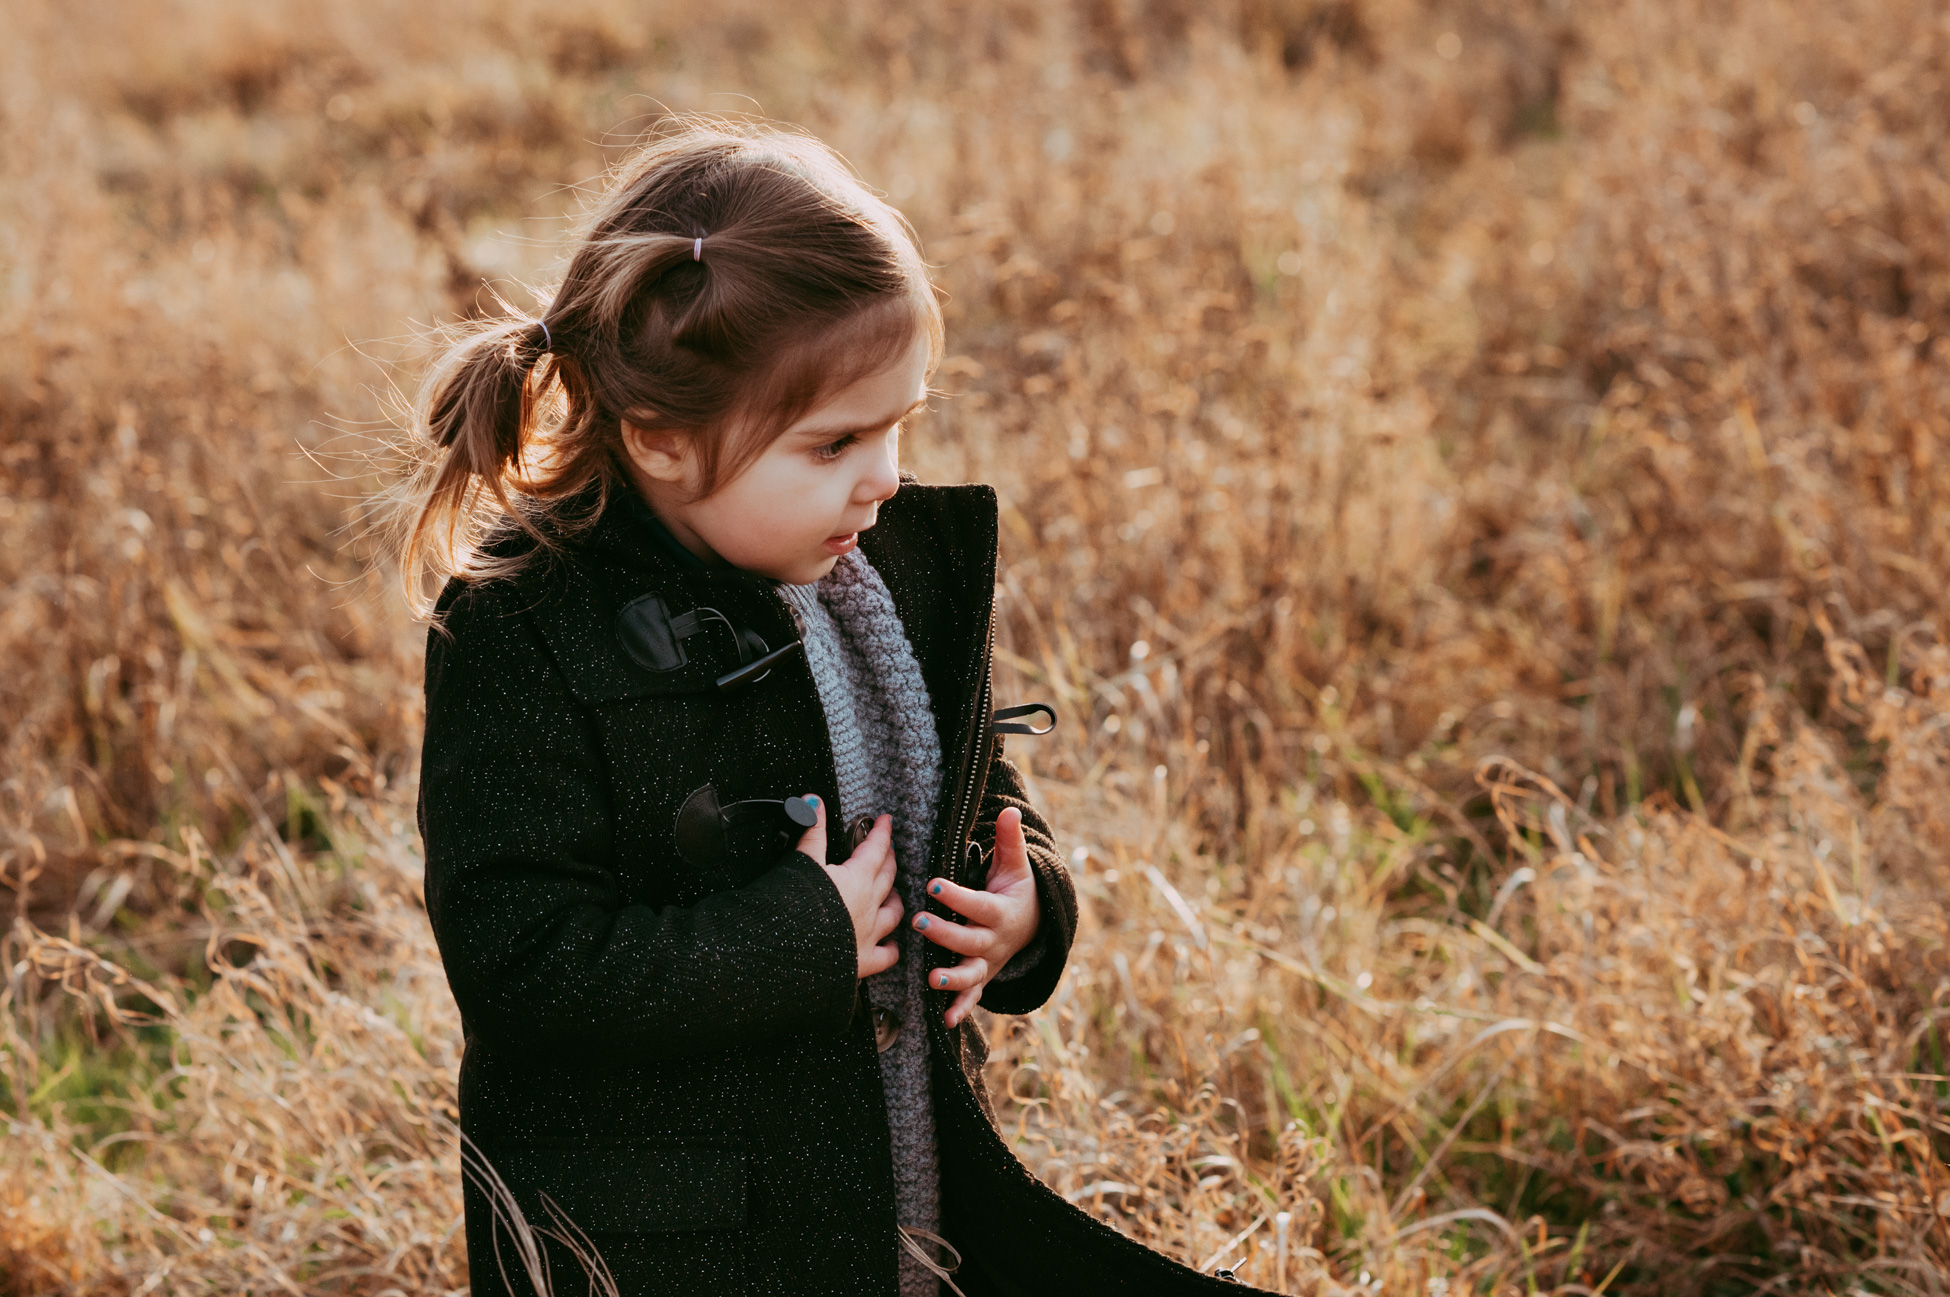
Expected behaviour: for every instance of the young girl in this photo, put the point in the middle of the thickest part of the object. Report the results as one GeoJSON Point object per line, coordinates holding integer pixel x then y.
{"type": "Point", "coordinates": [721, 846]}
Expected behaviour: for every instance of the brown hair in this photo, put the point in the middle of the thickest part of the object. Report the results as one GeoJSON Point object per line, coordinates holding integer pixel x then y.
{"type": "Point", "coordinates": [803, 283]}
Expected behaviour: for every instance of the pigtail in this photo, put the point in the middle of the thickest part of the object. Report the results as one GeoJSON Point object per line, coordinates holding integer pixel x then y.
{"type": "Point", "coordinates": [474, 425]}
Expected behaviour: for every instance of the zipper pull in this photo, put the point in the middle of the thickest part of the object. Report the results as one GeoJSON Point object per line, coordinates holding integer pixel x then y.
{"type": "Point", "coordinates": [1005, 719]}
{"type": "Point", "coordinates": [973, 875]}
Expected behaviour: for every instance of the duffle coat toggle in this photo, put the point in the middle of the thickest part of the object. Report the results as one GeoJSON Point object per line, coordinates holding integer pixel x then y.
{"type": "Point", "coordinates": [654, 639]}
{"type": "Point", "coordinates": [704, 825]}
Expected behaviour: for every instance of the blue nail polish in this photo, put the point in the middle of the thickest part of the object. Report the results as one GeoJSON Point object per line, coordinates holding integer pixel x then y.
{"type": "Point", "coordinates": [922, 923]}
{"type": "Point", "coordinates": [942, 980]}
{"type": "Point", "coordinates": [935, 890]}
{"type": "Point", "coordinates": [812, 800]}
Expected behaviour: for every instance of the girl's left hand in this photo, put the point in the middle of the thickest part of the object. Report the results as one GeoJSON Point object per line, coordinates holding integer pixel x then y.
{"type": "Point", "coordinates": [1002, 919]}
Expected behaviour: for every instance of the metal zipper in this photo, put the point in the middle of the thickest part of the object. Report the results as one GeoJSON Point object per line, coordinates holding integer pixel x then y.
{"type": "Point", "coordinates": [976, 775]}
{"type": "Point", "coordinates": [974, 778]}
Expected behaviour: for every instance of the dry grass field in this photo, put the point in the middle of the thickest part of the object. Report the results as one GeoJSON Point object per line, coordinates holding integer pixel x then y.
{"type": "Point", "coordinates": [1477, 482]}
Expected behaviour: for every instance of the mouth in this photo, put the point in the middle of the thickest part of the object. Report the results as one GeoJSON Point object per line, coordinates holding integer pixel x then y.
{"type": "Point", "coordinates": [848, 540]}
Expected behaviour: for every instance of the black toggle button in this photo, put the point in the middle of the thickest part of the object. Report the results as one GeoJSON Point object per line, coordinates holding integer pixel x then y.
{"type": "Point", "coordinates": [753, 672]}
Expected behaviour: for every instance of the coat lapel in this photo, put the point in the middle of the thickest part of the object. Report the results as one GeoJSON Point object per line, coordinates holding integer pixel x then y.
{"type": "Point", "coordinates": [934, 546]}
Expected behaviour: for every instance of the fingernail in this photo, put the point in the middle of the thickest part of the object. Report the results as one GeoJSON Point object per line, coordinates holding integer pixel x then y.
{"type": "Point", "coordinates": [941, 980]}
{"type": "Point", "coordinates": [812, 800]}
{"type": "Point", "coordinates": [935, 890]}
{"type": "Point", "coordinates": [922, 923]}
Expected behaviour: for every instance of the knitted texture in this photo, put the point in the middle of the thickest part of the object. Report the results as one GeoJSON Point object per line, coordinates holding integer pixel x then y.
{"type": "Point", "coordinates": [888, 760]}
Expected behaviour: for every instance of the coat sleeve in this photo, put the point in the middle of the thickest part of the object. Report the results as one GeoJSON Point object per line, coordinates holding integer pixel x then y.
{"type": "Point", "coordinates": [522, 887]}
{"type": "Point", "coordinates": [1028, 980]}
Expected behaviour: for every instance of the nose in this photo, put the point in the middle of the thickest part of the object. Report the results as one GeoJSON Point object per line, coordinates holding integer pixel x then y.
{"type": "Point", "coordinates": [883, 473]}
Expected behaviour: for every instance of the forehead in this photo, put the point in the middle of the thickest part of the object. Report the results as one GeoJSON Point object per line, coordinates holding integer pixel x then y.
{"type": "Point", "coordinates": [875, 399]}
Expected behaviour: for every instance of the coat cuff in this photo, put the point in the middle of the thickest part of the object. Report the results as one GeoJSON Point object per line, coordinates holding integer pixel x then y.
{"type": "Point", "coordinates": [827, 950]}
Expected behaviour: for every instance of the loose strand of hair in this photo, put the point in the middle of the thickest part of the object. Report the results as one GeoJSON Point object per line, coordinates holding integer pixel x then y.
{"type": "Point", "coordinates": [474, 423]}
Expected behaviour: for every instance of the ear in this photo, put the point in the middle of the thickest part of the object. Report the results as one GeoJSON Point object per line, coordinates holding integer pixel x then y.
{"type": "Point", "coordinates": [663, 454]}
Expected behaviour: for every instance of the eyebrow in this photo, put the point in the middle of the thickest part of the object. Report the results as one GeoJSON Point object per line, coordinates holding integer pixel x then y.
{"type": "Point", "coordinates": [823, 434]}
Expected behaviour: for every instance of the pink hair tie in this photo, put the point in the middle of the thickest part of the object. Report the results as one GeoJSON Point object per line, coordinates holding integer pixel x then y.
{"type": "Point", "coordinates": [697, 248]}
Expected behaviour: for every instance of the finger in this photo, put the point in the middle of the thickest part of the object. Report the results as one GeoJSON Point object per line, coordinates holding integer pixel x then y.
{"type": "Point", "coordinates": [813, 840]}
{"type": "Point", "coordinates": [871, 854]}
{"type": "Point", "coordinates": [882, 840]}
{"type": "Point", "coordinates": [963, 1003]}
{"type": "Point", "coordinates": [962, 939]}
{"type": "Point", "coordinates": [881, 875]}
{"type": "Point", "coordinates": [878, 959]}
{"type": "Point", "coordinates": [887, 918]}
{"type": "Point", "coordinates": [1011, 855]}
{"type": "Point", "coordinates": [972, 971]}
{"type": "Point", "coordinates": [983, 909]}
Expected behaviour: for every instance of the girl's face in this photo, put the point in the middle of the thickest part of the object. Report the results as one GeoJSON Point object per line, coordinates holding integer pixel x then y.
{"type": "Point", "coordinates": [805, 501]}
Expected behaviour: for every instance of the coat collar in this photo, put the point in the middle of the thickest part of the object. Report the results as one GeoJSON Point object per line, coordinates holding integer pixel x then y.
{"type": "Point", "coordinates": [958, 523]}
{"type": "Point", "coordinates": [934, 546]}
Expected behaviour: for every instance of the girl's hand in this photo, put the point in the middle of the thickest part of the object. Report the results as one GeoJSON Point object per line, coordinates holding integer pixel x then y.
{"type": "Point", "coordinates": [866, 883]}
{"type": "Point", "coordinates": [1002, 919]}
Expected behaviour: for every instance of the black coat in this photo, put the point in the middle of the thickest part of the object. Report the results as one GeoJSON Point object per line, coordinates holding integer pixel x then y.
{"type": "Point", "coordinates": [668, 1045]}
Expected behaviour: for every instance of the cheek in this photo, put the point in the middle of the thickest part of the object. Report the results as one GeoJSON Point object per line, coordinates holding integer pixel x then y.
{"type": "Point", "coordinates": [750, 526]}
{"type": "Point", "coordinates": [766, 511]}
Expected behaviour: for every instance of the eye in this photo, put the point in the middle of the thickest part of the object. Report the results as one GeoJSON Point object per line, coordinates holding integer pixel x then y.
{"type": "Point", "coordinates": [832, 450]}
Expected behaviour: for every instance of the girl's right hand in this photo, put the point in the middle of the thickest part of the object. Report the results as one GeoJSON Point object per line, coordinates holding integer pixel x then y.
{"type": "Point", "coordinates": [866, 883]}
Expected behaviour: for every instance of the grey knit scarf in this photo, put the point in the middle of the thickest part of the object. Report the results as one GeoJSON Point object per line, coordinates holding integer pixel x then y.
{"type": "Point", "coordinates": [888, 759]}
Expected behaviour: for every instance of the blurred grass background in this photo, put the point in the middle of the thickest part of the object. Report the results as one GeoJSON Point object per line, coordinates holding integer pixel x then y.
{"type": "Point", "coordinates": [1475, 482]}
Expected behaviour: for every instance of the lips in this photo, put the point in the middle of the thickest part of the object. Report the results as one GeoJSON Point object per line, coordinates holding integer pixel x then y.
{"type": "Point", "coordinates": [848, 540]}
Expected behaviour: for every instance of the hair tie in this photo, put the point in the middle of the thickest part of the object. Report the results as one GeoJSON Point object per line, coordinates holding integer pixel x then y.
{"type": "Point", "coordinates": [697, 248]}
{"type": "Point", "coordinates": [548, 339]}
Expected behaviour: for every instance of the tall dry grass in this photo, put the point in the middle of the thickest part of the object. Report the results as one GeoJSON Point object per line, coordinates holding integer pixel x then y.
{"type": "Point", "coordinates": [1475, 481]}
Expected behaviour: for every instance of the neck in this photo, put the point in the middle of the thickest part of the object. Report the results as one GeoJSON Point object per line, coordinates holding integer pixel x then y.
{"type": "Point", "coordinates": [684, 547]}
{"type": "Point", "coordinates": [656, 500]}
